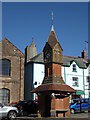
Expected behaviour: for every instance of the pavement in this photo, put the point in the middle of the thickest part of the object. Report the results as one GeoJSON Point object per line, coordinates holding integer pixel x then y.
{"type": "Point", "coordinates": [77, 116]}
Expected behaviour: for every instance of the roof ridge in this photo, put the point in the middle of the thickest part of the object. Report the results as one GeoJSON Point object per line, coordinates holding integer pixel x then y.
{"type": "Point", "coordinates": [72, 57]}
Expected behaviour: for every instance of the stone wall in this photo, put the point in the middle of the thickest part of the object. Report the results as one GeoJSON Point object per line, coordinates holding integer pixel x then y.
{"type": "Point", "coordinates": [14, 82]}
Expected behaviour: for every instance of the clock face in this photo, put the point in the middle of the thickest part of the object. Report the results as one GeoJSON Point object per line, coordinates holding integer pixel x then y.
{"type": "Point", "coordinates": [47, 54]}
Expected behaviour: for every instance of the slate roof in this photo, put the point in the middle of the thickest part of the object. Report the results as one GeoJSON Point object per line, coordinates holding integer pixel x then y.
{"type": "Point", "coordinates": [38, 58]}
{"type": "Point", "coordinates": [53, 87]}
{"type": "Point", "coordinates": [52, 40]}
{"type": "Point", "coordinates": [67, 60]}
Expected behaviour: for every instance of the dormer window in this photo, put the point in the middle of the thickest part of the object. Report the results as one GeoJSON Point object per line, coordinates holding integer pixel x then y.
{"type": "Point", "coordinates": [74, 68]}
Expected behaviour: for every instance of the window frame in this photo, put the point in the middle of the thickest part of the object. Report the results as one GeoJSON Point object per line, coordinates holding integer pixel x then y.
{"type": "Point", "coordinates": [73, 81]}
{"type": "Point", "coordinates": [5, 72]}
{"type": "Point", "coordinates": [5, 95]}
{"type": "Point", "coordinates": [74, 68]}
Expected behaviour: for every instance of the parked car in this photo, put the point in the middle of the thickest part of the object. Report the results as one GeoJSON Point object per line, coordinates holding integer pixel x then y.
{"type": "Point", "coordinates": [79, 105]}
{"type": "Point", "coordinates": [8, 112]}
{"type": "Point", "coordinates": [27, 107]}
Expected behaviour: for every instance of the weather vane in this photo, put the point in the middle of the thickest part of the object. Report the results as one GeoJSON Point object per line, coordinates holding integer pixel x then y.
{"type": "Point", "coordinates": [52, 18]}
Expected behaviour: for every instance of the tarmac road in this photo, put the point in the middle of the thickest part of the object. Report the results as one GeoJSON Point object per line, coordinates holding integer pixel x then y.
{"type": "Point", "coordinates": [77, 116]}
{"type": "Point", "coordinates": [80, 115]}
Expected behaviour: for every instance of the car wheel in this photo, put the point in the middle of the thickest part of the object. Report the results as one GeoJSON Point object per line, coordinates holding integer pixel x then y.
{"type": "Point", "coordinates": [12, 115]}
{"type": "Point", "coordinates": [89, 109]}
{"type": "Point", "coordinates": [72, 111]}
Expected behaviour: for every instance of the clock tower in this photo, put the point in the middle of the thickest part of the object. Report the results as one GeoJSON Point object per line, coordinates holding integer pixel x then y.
{"type": "Point", "coordinates": [53, 59]}
{"type": "Point", "coordinates": [53, 94]}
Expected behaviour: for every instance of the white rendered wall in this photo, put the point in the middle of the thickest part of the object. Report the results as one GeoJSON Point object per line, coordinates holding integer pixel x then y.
{"type": "Point", "coordinates": [39, 73]}
{"type": "Point", "coordinates": [67, 75]}
{"type": "Point", "coordinates": [86, 83]}
{"type": "Point", "coordinates": [38, 76]}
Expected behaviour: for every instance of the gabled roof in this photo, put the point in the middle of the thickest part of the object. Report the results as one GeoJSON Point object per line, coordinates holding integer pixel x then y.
{"type": "Point", "coordinates": [38, 58]}
{"type": "Point", "coordinates": [52, 40]}
{"type": "Point", "coordinates": [10, 49]}
{"type": "Point", "coordinates": [67, 61]}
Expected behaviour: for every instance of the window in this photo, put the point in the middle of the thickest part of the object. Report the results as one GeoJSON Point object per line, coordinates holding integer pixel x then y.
{"type": "Point", "coordinates": [4, 95]}
{"type": "Point", "coordinates": [5, 67]}
{"type": "Point", "coordinates": [75, 81]}
{"type": "Point", "coordinates": [74, 68]}
{"type": "Point", "coordinates": [88, 79]}
{"type": "Point", "coordinates": [89, 70]}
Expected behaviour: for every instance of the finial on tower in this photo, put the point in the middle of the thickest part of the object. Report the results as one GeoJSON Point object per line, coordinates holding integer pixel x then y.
{"type": "Point", "coordinates": [32, 43]}
{"type": "Point", "coordinates": [52, 29]}
{"type": "Point", "coordinates": [52, 18]}
{"type": "Point", "coordinates": [32, 38]}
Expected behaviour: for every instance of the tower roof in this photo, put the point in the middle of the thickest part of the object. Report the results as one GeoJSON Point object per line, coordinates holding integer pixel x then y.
{"type": "Point", "coordinates": [52, 40]}
{"type": "Point", "coordinates": [54, 87]}
{"type": "Point", "coordinates": [32, 43]}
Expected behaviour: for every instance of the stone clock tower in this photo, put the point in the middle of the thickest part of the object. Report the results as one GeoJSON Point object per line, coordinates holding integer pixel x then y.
{"type": "Point", "coordinates": [53, 94]}
{"type": "Point", "coordinates": [53, 59]}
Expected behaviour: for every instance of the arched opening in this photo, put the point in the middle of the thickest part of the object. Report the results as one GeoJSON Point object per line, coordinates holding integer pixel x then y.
{"type": "Point", "coordinates": [5, 67]}
{"type": "Point", "coordinates": [4, 95]}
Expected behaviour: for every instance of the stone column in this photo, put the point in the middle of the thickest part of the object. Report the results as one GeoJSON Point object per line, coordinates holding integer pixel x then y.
{"type": "Point", "coordinates": [53, 111]}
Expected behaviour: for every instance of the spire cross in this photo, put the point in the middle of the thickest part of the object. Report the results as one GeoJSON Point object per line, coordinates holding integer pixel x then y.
{"type": "Point", "coordinates": [52, 18]}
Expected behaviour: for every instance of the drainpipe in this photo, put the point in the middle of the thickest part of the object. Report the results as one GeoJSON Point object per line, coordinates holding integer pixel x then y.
{"type": "Point", "coordinates": [83, 83]}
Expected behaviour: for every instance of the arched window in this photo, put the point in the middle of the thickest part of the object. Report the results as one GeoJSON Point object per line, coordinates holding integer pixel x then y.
{"type": "Point", "coordinates": [4, 95]}
{"type": "Point", "coordinates": [74, 69]}
{"type": "Point", "coordinates": [5, 67]}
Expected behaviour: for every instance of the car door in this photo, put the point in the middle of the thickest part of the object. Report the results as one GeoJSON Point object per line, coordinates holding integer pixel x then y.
{"type": "Point", "coordinates": [77, 107]}
{"type": "Point", "coordinates": [84, 105]}
{"type": "Point", "coordinates": [3, 111]}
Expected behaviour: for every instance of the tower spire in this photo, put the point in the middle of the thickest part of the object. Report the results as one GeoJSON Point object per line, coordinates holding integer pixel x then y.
{"type": "Point", "coordinates": [52, 29]}
{"type": "Point", "coordinates": [52, 18]}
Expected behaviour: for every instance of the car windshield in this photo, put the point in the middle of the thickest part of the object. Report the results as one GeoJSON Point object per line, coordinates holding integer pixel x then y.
{"type": "Point", "coordinates": [74, 101]}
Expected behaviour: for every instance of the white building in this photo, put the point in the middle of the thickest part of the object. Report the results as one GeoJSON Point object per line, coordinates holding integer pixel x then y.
{"type": "Point", "coordinates": [34, 74]}
{"type": "Point", "coordinates": [75, 74]}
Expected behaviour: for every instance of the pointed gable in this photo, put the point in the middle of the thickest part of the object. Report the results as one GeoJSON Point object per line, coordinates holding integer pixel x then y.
{"type": "Point", "coordinates": [9, 49]}
{"type": "Point", "coordinates": [52, 40]}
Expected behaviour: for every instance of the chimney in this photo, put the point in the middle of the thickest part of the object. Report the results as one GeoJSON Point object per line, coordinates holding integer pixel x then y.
{"type": "Point", "coordinates": [84, 55]}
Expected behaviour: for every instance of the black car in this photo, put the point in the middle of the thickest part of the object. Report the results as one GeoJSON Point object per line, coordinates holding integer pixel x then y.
{"type": "Point", "coordinates": [27, 107]}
